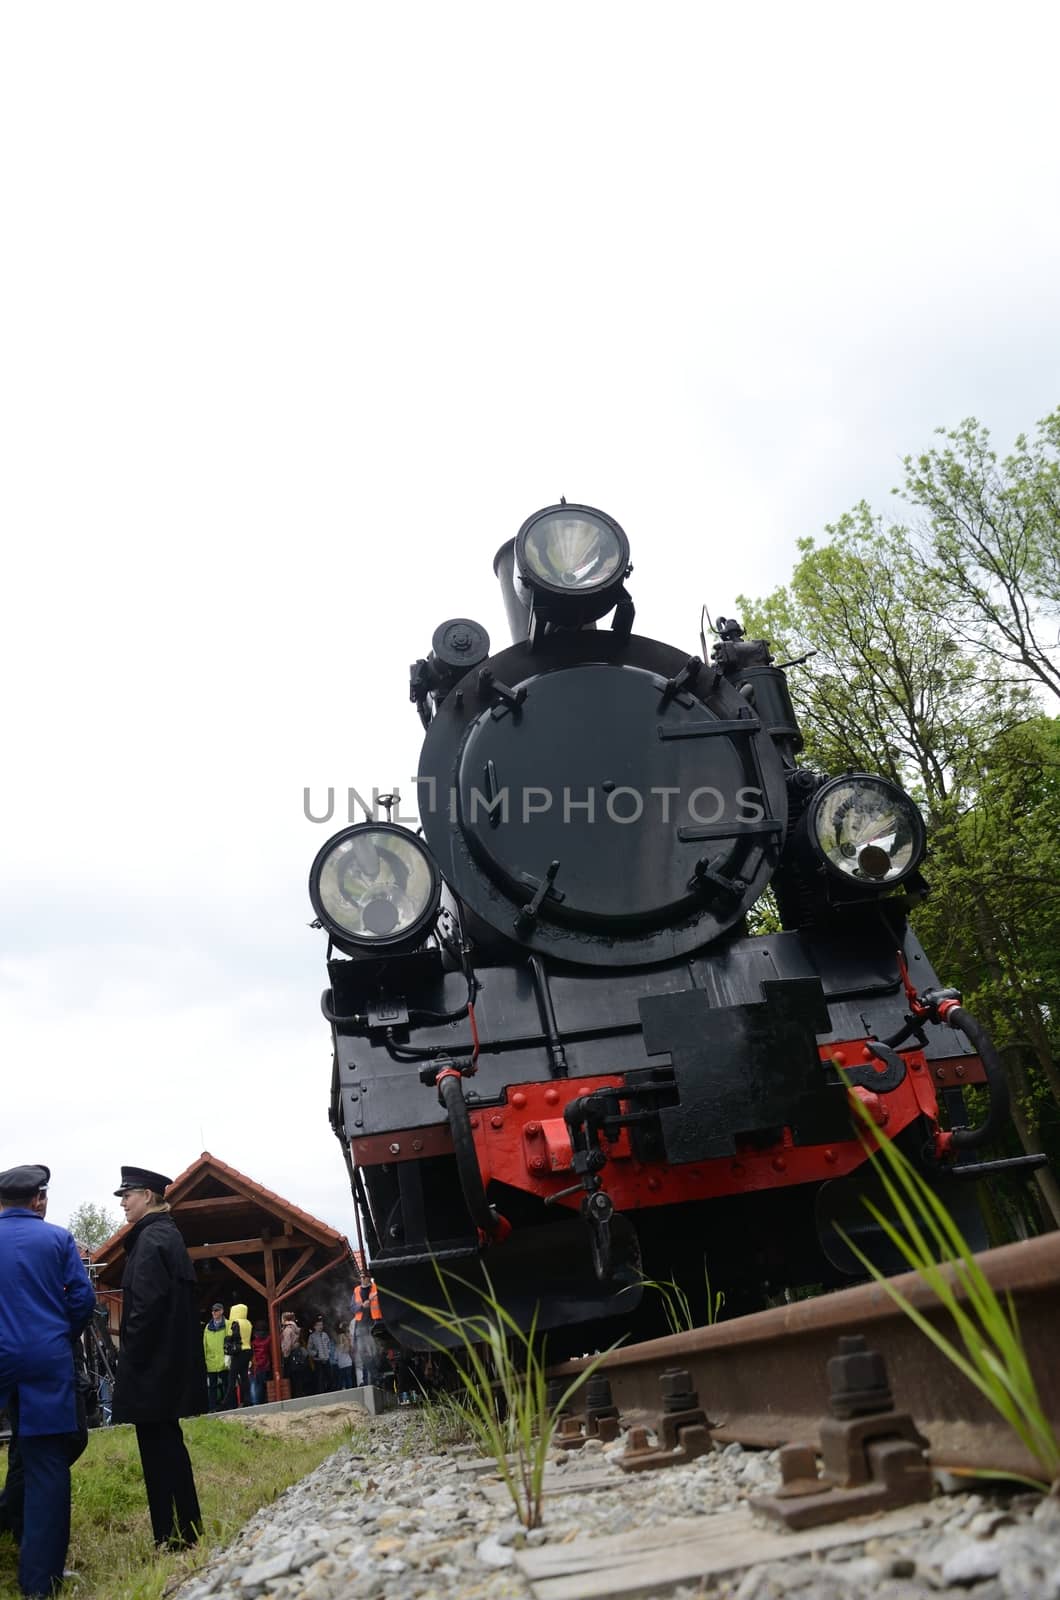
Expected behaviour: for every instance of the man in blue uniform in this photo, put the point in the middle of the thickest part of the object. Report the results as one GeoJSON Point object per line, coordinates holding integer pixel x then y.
{"type": "Point", "coordinates": [46, 1302]}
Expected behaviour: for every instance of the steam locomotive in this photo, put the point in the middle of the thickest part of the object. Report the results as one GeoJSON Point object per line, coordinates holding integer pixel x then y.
{"type": "Point", "coordinates": [563, 1063]}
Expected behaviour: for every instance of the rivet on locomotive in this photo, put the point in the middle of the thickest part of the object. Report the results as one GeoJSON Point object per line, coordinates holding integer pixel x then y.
{"type": "Point", "coordinates": [560, 1057]}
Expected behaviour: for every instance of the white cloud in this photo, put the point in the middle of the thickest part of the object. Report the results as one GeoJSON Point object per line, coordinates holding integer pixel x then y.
{"type": "Point", "coordinates": [306, 310]}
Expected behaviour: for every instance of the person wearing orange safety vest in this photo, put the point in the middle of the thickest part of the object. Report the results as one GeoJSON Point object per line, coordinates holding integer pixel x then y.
{"type": "Point", "coordinates": [366, 1299]}
{"type": "Point", "coordinates": [366, 1317]}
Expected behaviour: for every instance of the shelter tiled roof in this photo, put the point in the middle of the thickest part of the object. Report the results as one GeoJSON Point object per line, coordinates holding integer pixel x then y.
{"type": "Point", "coordinates": [207, 1166]}
{"type": "Point", "coordinates": [268, 1197]}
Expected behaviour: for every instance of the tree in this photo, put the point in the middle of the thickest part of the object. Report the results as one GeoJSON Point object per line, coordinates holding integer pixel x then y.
{"type": "Point", "coordinates": [894, 687]}
{"type": "Point", "coordinates": [994, 917]}
{"type": "Point", "coordinates": [91, 1225]}
{"type": "Point", "coordinates": [889, 688]}
{"type": "Point", "coordinates": [992, 531]}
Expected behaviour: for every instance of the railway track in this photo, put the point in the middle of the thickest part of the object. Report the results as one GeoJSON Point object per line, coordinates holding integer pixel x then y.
{"type": "Point", "coordinates": [762, 1379]}
{"type": "Point", "coordinates": [384, 1519]}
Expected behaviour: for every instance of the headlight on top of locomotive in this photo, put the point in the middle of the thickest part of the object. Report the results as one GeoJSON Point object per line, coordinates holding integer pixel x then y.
{"type": "Point", "coordinates": [374, 886]}
{"type": "Point", "coordinates": [866, 829]}
{"type": "Point", "coordinates": [573, 559]}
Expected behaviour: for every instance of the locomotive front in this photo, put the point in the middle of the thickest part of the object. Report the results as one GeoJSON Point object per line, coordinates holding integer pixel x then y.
{"type": "Point", "coordinates": [560, 1059]}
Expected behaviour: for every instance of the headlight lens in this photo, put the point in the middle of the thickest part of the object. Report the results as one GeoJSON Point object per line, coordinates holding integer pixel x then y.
{"type": "Point", "coordinates": [867, 829]}
{"type": "Point", "coordinates": [374, 884]}
{"type": "Point", "coordinates": [572, 549]}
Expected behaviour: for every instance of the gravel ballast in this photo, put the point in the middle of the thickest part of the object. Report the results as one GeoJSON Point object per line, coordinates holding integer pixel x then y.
{"type": "Point", "coordinates": [388, 1515]}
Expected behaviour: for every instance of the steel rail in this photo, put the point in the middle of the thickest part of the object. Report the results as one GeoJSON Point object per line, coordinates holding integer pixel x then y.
{"type": "Point", "coordinates": [762, 1378]}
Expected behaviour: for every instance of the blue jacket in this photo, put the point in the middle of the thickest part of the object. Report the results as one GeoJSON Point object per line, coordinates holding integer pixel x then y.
{"type": "Point", "coordinates": [45, 1301]}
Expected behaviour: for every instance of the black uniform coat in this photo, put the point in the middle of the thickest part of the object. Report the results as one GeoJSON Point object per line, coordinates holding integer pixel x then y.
{"type": "Point", "coordinates": [161, 1372]}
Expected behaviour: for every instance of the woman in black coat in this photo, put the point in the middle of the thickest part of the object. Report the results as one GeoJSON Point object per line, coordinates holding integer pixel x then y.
{"type": "Point", "coordinates": [161, 1373]}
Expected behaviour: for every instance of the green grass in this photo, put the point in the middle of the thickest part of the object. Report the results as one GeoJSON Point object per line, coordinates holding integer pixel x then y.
{"type": "Point", "coordinates": [677, 1307]}
{"type": "Point", "coordinates": [988, 1348]}
{"type": "Point", "coordinates": [504, 1401]}
{"type": "Point", "coordinates": [442, 1421]}
{"type": "Point", "coordinates": [237, 1469]}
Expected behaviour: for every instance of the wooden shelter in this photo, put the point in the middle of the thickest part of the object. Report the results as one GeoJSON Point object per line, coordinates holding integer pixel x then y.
{"type": "Point", "coordinates": [237, 1229]}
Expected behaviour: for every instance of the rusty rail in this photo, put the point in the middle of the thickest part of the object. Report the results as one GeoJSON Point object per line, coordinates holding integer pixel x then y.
{"type": "Point", "coordinates": [761, 1378]}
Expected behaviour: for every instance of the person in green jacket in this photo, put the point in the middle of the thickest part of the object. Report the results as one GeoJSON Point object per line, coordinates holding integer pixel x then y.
{"type": "Point", "coordinates": [213, 1348]}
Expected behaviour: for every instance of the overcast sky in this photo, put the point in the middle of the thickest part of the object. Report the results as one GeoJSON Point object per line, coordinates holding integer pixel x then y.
{"type": "Point", "coordinates": [305, 309]}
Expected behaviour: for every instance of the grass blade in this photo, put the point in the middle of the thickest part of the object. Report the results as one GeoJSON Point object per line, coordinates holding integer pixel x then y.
{"type": "Point", "coordinates": [993, 1358]}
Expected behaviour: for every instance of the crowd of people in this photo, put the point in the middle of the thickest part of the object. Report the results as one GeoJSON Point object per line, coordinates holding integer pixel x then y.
{"type": "Point", "coordinates": [316, 1359]}
{"type": "Point", "coordinates": [323, 1357]}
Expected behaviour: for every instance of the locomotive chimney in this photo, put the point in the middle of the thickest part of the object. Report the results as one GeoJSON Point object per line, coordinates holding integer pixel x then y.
{"type": "Point", "coordinates": [516, 608]}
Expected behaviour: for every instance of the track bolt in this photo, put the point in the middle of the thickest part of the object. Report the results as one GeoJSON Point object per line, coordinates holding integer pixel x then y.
{"type": "Point", "coordinates": [653, 1184]}
{"type": "Point", "coordinates": [395, 1149]}
{"type": "Point", "coordinates": [554, 1392]}
{"type": "Point", "coordinates": [417, 1144]}
{"type": "Point", "coordinates": [532, 1129]}
{"type": "Point", "coordinates": [779, 1164]}
{"type": "Point", "coordinates": [857, 1380]}
{"type": "Point", "coordinates": [496, 1122]}
{"type": "Point", "coordinates": [678, 1393]}
{"type": "Point", "coordinates": [831, 1157]}
{"type": "Point", "coordinates": [537, 1164]}
{"type": "Point", "coordinates": [518, 1100]}
{"type": "Point", "coordinates": [601, 1413]}
{"type": "Point", "coordinates": [552, 1097]}
{"type": "Point", "coordinates": [474, 1122]}
{"type": "Point", "coordinates": [598, 1394]}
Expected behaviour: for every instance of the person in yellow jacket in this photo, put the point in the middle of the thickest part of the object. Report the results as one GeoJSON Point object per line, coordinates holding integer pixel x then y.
{"type": "Point", "coordinates": [237, 1344]}
{"type": "Point", "coordinates": [213, 1348]}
